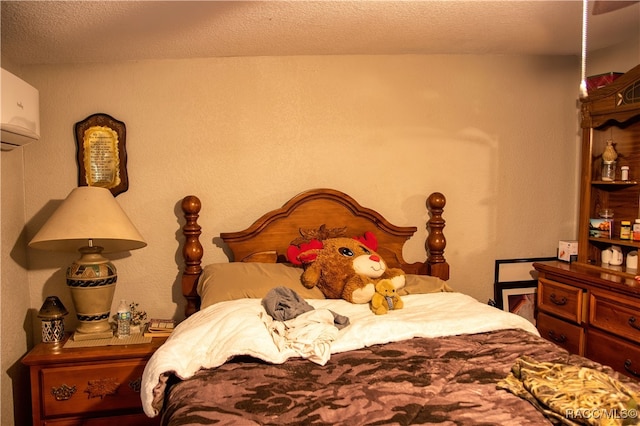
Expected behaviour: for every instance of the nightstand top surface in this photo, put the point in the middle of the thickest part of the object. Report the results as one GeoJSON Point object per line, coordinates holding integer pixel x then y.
{"type": "Point", "coordinates": [54, 353]}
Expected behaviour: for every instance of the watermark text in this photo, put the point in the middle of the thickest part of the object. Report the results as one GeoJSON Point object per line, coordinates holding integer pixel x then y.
{"type": "Point", "coordinates": [599, 413]}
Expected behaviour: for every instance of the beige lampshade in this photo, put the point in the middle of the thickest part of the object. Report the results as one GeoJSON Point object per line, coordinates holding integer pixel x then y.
{"type": "Point", "coordinates": [89, 213]}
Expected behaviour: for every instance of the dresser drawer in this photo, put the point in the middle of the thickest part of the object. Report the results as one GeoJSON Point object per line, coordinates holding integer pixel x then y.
{"type": "Point", "coordinates": [127, 420]}
{"type": "Point", "coordinates": [562, 300]}
{"type": "Point", "coordinates": [621, 355]}
{"type": "Point", "coordinates": [615, 314]}
{"type": "Point", "coordinates": [566, 335]}
{"type": "Point", "coordinates": [91, 388]}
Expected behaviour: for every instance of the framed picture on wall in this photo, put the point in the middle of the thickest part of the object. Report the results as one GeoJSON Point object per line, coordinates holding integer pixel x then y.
{"type": "Point", "coordinates": [515, 285]}
{"type": "Point", "coordinates": [101, 153]}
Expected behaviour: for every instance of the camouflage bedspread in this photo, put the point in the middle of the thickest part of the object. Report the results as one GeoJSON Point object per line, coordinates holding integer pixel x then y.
{"type": "Point", "coordinates": [448, 380]}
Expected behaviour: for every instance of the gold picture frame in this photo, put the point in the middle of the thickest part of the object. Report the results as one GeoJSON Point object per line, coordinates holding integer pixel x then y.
{"type": "Point", "coordinates": [101, 153]}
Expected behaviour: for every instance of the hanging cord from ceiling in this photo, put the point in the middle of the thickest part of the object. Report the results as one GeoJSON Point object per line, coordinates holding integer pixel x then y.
{"type": "Point", "coordinates": [583, 74]}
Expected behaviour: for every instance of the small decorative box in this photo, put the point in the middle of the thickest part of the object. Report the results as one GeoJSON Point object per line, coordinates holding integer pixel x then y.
{"type": "Point", "coordinates": [597, 81]}
{"type": "Point", "coordinates": [568, 250]}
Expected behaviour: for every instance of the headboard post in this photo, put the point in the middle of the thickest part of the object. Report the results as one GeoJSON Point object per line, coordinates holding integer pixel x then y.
{"type": "Point", "coordinates": [192, 253]}
{"type": "Point", "coordinates": [436, 242]}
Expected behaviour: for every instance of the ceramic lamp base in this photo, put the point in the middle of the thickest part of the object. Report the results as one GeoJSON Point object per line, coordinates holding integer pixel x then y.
{"type": "Point", "coordinates": [92, 281]}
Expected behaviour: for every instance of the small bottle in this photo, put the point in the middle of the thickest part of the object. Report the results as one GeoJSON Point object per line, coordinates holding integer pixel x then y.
{"type": "Point", "coordinates": [635, 235]}
{"type": "Point", "coordinates": [124, 320]}
{"type": "Point", "coordinates": [624, 173]}
{"type": "Point", "coordinates": [625, 230]}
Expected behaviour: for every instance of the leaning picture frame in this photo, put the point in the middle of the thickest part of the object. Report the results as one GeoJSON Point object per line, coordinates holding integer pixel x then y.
{"type": "Point", "coordinates": [520, 299]}
{"type": "Point", "coordinates": [515, 286]}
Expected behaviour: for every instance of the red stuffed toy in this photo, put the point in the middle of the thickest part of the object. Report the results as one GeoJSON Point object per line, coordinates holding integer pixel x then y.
{"type": "Point", "coordinates": [346, 268]}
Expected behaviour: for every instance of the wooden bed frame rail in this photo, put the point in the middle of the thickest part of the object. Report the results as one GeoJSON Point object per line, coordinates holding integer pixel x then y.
{"type": "Point", "coordinates": [268, 237]}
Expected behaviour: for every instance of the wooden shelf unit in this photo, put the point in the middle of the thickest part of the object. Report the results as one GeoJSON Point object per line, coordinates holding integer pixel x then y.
{"type": "Point", "coordinates": [610, 113]}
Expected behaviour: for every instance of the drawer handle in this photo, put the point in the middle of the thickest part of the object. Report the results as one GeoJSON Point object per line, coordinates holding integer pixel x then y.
{"type": "Point", "coordinates": [559, 302]}
{"type": "Point", "coordinates": [558, 339]}
{"type": "Point", "coordinates": [135, 385]}
{"type": "Point", "coordinates": [63, 392]}
{"type": "Point", "coordinates": [627, 366]}
{"type": "Point", "coordinates": [632, 323]}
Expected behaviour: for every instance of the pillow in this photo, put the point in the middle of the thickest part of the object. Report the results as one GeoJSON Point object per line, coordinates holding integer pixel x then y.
{"type": "Point", "coordinates": [422, 284]}
{"type": "Point", "coordinates": [237, 280]}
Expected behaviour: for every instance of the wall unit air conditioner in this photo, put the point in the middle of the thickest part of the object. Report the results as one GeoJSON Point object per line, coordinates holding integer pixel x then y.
{"type": "Point", "coordinates": [20, 113]}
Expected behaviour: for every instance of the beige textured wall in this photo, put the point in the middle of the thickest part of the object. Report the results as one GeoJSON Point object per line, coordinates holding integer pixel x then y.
{"type": "Point", "coordinates": [15, 320]}
{"type": "Point", "coordinates": [497, 135]}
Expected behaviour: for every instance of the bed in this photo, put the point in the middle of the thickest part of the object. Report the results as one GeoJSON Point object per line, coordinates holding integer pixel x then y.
{"type": "Point", "coordinates": [444, 358]}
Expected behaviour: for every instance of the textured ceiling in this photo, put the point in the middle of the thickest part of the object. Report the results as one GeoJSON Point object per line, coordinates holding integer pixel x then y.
{"type": "Point", "coordinates": [43, 32]}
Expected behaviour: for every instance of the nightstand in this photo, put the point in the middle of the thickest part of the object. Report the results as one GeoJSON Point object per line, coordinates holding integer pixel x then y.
{"type": "Point", "coordinates": [89, 386]}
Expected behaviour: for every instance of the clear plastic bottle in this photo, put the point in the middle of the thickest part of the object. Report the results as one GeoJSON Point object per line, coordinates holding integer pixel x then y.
{"type": "Point", "coordinates": [124, 320]}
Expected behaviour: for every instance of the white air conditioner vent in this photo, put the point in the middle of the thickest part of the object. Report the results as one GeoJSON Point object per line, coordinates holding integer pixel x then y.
{"type": "Point", "coordinates": [20, 113]}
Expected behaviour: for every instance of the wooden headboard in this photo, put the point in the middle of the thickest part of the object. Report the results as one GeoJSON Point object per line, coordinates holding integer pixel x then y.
{"type": "Point", "coordinates": [268, 238]}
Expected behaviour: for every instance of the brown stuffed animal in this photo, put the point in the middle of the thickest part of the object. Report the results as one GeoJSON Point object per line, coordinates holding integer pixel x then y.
{"type": "Point", "coordinates": [344, 268]}
{"type": "Point", "coordinates": [385, 299]}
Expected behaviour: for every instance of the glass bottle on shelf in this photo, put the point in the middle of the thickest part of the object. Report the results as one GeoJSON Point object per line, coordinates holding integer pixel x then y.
{"type": "Point", "coordinates": [609, 157]}
{"type": "Point", "coordinates": [608, 171]}
{"type": "Point", "coordinates": [606, 213]}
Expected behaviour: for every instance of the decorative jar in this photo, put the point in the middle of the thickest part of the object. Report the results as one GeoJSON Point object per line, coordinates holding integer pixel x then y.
{"type": "Point", "coordinates": [52, 314]}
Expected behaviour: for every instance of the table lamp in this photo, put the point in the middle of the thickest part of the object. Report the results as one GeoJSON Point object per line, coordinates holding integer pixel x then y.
{"type": "Point", "coordinates": [90, 221]}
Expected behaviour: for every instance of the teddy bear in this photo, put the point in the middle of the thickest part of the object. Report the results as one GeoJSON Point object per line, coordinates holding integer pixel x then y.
{"type": "Point", "coordinates": [385, 298]}
{"type": "Point", "coordinates": [344, 268]}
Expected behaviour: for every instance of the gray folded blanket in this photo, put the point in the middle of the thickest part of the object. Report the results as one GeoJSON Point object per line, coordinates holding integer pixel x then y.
{"type": "Point", "coordinates": [283, 303]}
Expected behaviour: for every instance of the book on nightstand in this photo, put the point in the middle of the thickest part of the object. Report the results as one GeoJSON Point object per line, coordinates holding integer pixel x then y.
{"type": "Point", "coordinates": [159, 327]}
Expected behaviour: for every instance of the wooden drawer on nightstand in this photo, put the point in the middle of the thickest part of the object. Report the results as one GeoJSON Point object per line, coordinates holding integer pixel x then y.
{"type": "Point", "coordinates": [615, 314]}
{"type": "Point", "coordinates": [622, 356]}
{"type": "Point", "coordinates": [127, 420]}
{"type": "Point", "coordinates": [91, 388]}
{"type": "Point", "coordinates": [88, 386]}
{"type": "Point", "coordinates": [562, 333]}
{"type": "Point", "coordinates": [562, 300]}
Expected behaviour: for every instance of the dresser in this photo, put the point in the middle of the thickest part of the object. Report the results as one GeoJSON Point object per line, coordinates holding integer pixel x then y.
{"type": "Point", "coordinates": [592, 307]}
{"type": "Point", "coordinates": [91, 386]}
{"type": "Point", "coordinates": [590, 313]}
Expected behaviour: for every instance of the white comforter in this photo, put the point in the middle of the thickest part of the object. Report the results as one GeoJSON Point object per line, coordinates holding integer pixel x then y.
{"type": "Point", "coordinates": [212, 336]}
